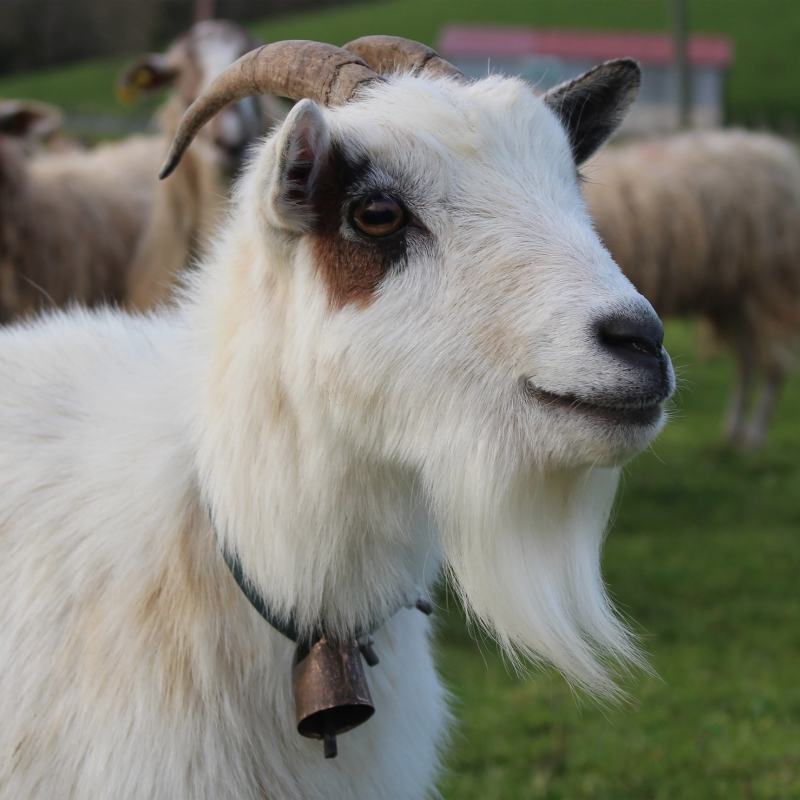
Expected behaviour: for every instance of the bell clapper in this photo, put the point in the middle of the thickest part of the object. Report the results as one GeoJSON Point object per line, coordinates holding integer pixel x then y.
{"type": "Point", "coordinates": [424, 605]}
{"type": "Point", "coordinates": [329, 735]}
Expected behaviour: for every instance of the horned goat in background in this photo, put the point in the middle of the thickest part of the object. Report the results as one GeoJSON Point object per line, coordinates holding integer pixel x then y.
{"type": "Point", "coordinates": [187, 210]}
{"type": "Point", "coordinates": [707, 224]}
{"type": "Point", "coordinates": [95, 226]}
{"type": "Point", "coordinates": [407, 351]}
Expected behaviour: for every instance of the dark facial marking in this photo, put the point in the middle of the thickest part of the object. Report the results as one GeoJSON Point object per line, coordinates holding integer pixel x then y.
{"type": "Point", "coordinates": [352, 266]}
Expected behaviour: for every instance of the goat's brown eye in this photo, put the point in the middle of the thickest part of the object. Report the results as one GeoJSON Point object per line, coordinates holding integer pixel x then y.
{"type": "Point", "coordinates": [379, 216]}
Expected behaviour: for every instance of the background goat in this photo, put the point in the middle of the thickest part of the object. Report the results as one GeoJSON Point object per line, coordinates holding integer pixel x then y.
{"type": "Point", "coordinates": [407, 349]}
{"type": "Point", "coordinates": [707, 224]}
{"type": "Point", "coordinates": [95, 226]}
{"type": "Point", "coordinates": [188, 209]}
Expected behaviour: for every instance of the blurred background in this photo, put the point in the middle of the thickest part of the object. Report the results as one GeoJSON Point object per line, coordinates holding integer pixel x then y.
{"type": "Point", "coordinates": [704, 550]}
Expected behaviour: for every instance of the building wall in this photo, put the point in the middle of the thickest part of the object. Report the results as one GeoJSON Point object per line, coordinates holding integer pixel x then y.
{"type": "Point", "coordinates": [656, 108]}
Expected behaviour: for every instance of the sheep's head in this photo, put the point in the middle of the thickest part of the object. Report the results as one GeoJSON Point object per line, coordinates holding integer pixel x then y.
{"type": "Point", "coordinates": [188, 67]}
{"type": "Point", "coordinates": [448, 307]}
{"type": "Point", "coordinates": [29, 122]}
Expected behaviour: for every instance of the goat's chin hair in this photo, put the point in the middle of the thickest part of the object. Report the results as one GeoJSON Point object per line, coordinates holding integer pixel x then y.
{"type": "Point", "coordinates": [523, 546]}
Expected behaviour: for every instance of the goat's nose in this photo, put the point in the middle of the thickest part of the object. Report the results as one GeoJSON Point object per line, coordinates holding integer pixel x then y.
{"type": "Point", "coordinates": [637, 340]}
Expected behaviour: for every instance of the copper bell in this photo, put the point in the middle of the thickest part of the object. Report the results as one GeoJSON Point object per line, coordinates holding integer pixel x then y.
{"type": "Point", "coordinates": [330, 690]}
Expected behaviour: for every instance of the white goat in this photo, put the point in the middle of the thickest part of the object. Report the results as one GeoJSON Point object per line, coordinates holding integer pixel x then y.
{"type": "Point", "coordinates": [408, 349]}
{"type": "Point", "coordinates": [707, 224]}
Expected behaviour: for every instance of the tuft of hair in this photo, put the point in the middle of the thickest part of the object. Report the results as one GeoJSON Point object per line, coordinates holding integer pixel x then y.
{"type": "Point", "coordinates": [523, 546]}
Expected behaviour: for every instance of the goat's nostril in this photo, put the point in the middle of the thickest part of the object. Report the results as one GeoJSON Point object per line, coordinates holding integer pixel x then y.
{"type": "Point", "coordinates": [632, 338]}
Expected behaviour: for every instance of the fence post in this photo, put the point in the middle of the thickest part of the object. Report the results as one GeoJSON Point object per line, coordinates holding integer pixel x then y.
{"type": "Point", "coordinates": [683, 67]}
{"type": "Point", "coordinates": [203, 10]}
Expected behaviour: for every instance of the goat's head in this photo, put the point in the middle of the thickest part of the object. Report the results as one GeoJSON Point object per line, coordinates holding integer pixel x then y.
{"type": "Point", "coordinates": [448, 306]}
{"type": "Point", "coordinates": [188, 67]}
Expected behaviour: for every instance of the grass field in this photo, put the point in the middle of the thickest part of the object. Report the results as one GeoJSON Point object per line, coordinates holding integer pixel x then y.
{"type": "Point", "coordinates": [764, 82]}
{"type": "Point", "coordinates": [705, 556]}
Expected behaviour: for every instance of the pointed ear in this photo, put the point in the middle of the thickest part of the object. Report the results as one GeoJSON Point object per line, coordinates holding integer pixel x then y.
{"type": "Point", "coordinates": [303, 151]}
{"type": "Point", "coordinates": [27, 118]}
{"type": "Point", "coordinates": [146, 74]}
{"type": "Point", "coordinates": [592, 106]}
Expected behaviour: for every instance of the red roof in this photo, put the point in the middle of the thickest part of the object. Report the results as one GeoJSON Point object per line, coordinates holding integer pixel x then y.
{"type": "Point", "coordinates": [649, 48]}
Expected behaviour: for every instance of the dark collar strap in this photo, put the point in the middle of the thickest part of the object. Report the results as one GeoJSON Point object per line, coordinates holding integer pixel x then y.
{"type": "Point", "coordinates": [288, 627]}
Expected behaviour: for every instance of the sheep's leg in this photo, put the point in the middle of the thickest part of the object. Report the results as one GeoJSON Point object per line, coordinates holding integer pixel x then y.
{"type": "Point", "coordinates": [735, 419]}
{"type": "Point", "coordinates": [757, 429]}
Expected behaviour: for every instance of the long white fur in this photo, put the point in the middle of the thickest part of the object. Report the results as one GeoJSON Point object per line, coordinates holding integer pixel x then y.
{"type": "Point", "coordinates": [347, 456]}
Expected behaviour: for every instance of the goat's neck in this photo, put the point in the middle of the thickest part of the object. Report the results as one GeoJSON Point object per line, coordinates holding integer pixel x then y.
{"type": "Point", "coordinates": [322, 530]}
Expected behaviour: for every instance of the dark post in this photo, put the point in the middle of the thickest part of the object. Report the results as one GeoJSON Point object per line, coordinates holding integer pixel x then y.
{"type": "Point", "coordinates": [683, 68]}
{"type": "Point", "coordinates": [203, 9]}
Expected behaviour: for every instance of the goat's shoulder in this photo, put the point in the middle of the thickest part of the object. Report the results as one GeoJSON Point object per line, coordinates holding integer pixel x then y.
{"type": "Point", "coordinates": [73, 373]}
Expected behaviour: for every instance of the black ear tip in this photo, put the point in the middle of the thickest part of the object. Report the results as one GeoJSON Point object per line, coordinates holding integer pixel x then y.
{"type": "Point", "coordinates": [626, 67]}
{"type": "Point", "coordinates": [592, 106]}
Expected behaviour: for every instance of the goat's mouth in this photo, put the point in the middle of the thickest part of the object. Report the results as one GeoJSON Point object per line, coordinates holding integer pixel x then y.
{"type": "Point", "coordinates": [638, 412]}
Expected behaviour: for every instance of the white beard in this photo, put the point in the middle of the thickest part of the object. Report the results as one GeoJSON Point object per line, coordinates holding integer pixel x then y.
{"type": "Point", "coordinates": [523, 546]}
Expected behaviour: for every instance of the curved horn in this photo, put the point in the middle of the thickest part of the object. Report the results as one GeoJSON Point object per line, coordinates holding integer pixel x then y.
{"type": "Point", "coordinates": [295, 69]}
{"type": "Point", "coordinates": [387, 54]}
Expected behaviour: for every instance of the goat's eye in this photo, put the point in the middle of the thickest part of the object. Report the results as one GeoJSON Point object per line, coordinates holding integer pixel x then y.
{"type": "Point", "coordinates": [379, 216]}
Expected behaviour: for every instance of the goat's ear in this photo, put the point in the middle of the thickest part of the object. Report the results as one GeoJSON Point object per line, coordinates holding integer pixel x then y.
{"type": "Point", "coordinates": [148, 73]}
{"type": "Point", "coordinates": [27, 118]}
{"type": "Point", "coordinates": [592, 106]}
{"type": "Point", "coordinates": [303, 146]}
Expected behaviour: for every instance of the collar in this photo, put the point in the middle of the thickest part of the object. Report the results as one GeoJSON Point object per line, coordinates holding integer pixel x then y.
{"type": "Point", "coordinates": [287, 626]}
{"type": "Point", "coordinates": [329, 686]}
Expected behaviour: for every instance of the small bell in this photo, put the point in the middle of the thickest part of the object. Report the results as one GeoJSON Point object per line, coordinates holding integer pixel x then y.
{"type": "Point", "coordinates": [330, 691]}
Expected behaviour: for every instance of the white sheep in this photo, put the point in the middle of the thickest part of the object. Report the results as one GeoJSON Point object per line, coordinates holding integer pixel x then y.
{"type": "Point", "coordinates": [408, 351]}
{"type": "Point", "coordinates": [36, 125]}
{"type": "Point", "coordinates": [69, 221]}
{"type": "Point", "coordinates": [707, 224]}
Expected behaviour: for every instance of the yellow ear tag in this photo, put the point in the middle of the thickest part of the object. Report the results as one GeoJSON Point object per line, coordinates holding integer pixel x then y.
{"type": "Point", "coordinates": [130, 90]}
{"type": "Point", "coordinates": [127, 95]}
{"type": "Point", "coordinates": [143, 79]}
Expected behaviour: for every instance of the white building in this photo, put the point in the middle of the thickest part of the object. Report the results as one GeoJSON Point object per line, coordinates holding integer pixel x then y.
{"type": "Point", "coordinates": [547, 57]}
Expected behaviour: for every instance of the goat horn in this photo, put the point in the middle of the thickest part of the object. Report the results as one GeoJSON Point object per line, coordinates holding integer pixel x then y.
{"type": "Point", "coordinates": [386, 54]}
{"type": "Point", "coordinates": [295, 69]}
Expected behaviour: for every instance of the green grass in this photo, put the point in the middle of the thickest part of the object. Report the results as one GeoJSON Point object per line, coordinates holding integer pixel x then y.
{"type": "Point", "coordinates": [764, 83]}
{"type": "Point", "coordinates": [705, 556]}
{"type": "Point", "coordinates": [85, 88]}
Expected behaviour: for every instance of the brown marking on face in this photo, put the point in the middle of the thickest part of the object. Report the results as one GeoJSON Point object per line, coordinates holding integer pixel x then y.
{"type": "Point", "coordinates": [352, 267]}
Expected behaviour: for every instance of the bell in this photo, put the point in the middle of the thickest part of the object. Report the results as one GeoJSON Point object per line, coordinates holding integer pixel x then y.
{"type": "Point", "coordinates": [330, 690]}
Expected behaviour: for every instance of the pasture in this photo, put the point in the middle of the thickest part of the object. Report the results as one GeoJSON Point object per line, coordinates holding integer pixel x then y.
{"type": "Point", "coordinates": [704, 555]}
